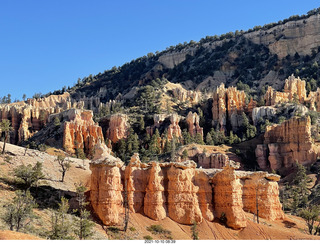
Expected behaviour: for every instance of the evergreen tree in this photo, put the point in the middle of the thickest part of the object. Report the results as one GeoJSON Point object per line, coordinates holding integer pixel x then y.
{"type": "Point", "coordinates": [83, 226]}
{"type": "Point", "coordinates": [154, 147]}
{"type": "Point", "coordinates": [5, 127]}
{"type": "Point", "coordinates": [311, 216]}
{"type": "Point", "coordinates": [185, 154]}
{"type": "Point", "coordinates": [187, 139]}
{"type": "Point", "coordinates": [209, 140]}
{"type": "Point", "coordinates": [135, 143]}
{"type": "Point", "coordinates": [173, 148]}
{"type": "Point", "coordinates": [199, 139]}
{"type": "Point", "coordinates": [29, 175]}
{"type": "Point", "coordinates": [64, 164]}
{"type": "Point", "coordinates": [141, 123]}
{"type": "Point", "coordinates": [19, 212]}
{"type": "Point", "coordinates": [60, 225]}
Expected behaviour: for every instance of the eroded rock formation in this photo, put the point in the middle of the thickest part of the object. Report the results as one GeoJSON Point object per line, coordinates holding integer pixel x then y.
{"type": "Point", "coordinates": [212, 160]}
{"type": "Point", "coordinates": [193, 124]}
{"type": "Point", "coordinates": [228, 192]}
{"type": "Point", "coordinates": [174, 129]}
{"type": "Point", "coordinates": [261, 191]}
{"type": "Point", "coordinates": [81, 132]}
{"type": "Point", "coordinates": [118, 127]}
{"type": "Point", "coordinates": [286, 143]}
{"type": "Point", "coordinates": [228, 104]}
{"type": "Point", "coordinates": [294, 90]}
{"type": "Point", "coordinates": [179, 191]}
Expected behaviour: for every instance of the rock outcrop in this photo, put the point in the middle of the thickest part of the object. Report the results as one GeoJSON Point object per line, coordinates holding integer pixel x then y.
{"type": "Point", "coordinates": [286, 143]}
{"type": "Point", "coordinates": [81, 132]}
{"type": "Point", "coordinates": [106, 186]}
{"type": "Point", "coordinates": [212, 160]}
{"type": "Point", "coordinates": [228, 198]}
{"type": "Point", "coordinates": [174, 129]}
{"type": "Point", "coordinates": [193, 124]}
{"type": "Point", "coordinates": [294, 90]}
{"type": "Point", "coordinates": [183, 204]}
{"type": "Point", "coordinates": [261, 192]}
{"type": "Point", "coordinates": [118, 127]}
{"type": "Point", "coordinates": [155, 199]}
{"type": "Point", "coordinates": [228, 104]}
{"type": "Point", "coordinates": [263, 113]}
{"type": "Point", "coordinates": [179, 191]}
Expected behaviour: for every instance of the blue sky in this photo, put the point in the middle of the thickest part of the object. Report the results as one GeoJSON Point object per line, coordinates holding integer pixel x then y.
{"type": "Point", "coordinates": [48, 44]}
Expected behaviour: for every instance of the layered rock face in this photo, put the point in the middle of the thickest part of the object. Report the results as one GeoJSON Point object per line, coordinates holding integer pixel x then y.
{"type": "Point", "coordinates": [289, 38]}
{"type": "Point", "coordinates": [212, 160]}
{"type": "Point", "coordinates": [183, 204]}
{"type": "Point", "coordinates": [31, 116]}
{"type": "Point", "coordinates": [228, 192]}
{"type": "Point", "coordinates": [81, 131]}
{"type": "Point", "coordinates": [155, 199]}
{"type": "Point", "coordinates": [193, 124]}
{"type": "Point", "coordinates": [294, 88]}
{"type": "Point", "coordinates": [177, 190]}
{"type": "Point", "coordinates": [106, 186]}
{"type": "Point", "coordinates": [263, 112]}
{"type": "Point", "coordinates": [228, 104]}
{"type": "Point", "coordinates": [118, 127]}
{"type": "Point", "coordinates": [286, 143]}
{"type": "Point", "coordinates": [261, 192]}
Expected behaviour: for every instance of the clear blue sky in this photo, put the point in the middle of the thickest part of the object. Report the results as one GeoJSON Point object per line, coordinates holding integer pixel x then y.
{"type": "Point", "coordinates": [47, 44]}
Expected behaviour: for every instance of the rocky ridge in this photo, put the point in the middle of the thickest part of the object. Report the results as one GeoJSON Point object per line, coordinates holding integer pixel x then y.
{"type": "Point", "coordinates": [286, 143]}
{"type": "Point", "coordinates": [178, 191]}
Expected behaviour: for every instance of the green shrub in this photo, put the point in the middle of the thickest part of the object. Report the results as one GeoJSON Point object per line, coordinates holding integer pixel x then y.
{"type": "Point", "coordinates": [148, 237]}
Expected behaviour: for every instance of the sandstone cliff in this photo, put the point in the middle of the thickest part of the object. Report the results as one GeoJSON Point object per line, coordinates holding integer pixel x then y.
{"type": "Point", "coordinates": [178, 191]}
{"type": "Point", "coordinates": [286, 143]}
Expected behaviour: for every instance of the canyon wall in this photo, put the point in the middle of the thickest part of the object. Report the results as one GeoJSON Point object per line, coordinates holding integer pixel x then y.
{"type": "Point", "coordinates": [177, 190]}
{"type": "Point", "coordinates": [286, 143]}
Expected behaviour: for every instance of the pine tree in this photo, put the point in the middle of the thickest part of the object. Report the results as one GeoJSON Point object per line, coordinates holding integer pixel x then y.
{"type": "Point", "coordinates": [173, 148]}
{"type": "Point", "coordinates": [60, 225]}
{"type": "Point", "coordinates": [141, 123]}
{"type": "Point", "coordinates": [187, 139]}
{"type": "Point", "coordinates": [64, 164]}
{"type": "Point", "coordinates": [154, 147]}
{"type": "Point", "coordinates": [19, 212]}
{"type": "Point", "coordinates": [209, 140]}
{"type": "Point", "coordinates": [83, 226]}
{"type": "Point", "coordinates": [29, 175]}
{"type": "Point", "coordinates": [5, 127]}
{"type": "Point", "coordinates": [199, 139]}
{"type": "Point", "coordinates": [135, 143]}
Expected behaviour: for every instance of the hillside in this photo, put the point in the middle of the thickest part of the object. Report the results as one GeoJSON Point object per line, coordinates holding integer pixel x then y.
{"type": "Point", "coordinates": [291, 227]}
{"type": "Point", "coordinates": [261, 56]}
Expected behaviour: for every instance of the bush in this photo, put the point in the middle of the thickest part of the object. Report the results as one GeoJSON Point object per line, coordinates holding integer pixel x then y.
{"type": "Point", "coordinates": [148, 237]}
{"type": "Point", "coordinates": [158, 229]}
{"type": "Point", "coordinates": [19, 212]}
{"type": "Point", "coordinates": [28, 175]}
